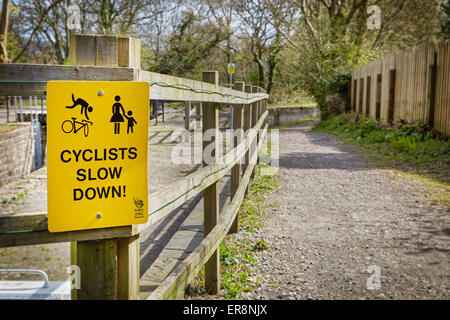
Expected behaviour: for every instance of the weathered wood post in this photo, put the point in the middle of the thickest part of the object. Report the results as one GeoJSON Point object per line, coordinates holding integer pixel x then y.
{"type": "Point", "coordinates": [73, 262]}
{"type": "Point", "coordinates": [264, 107]}
{"type": "Point", "coordinates": [361, 96]}
{"type": "Point", "coordinates": [187, 115]}
{"type": "Point", "coordinates": [368, 95]}
{"type": "Point", "coordinates": [255, 118]}
{"type": "Point", "coordinates": [247, 127]}
{"type": "Point", "coordinates": [190, 117]}
{"type": "Point", "coordinates": [238, 134]}
{"type": "Point", "coordinates": [128, 268]}
{"type": "Point", "coordinates": [97, 260]}
{"type": "Point", "coordinates": [379, 88]}
{"type": "Point", "coordinates": [211, 194]}
{"type": "Point", "coordinates": [109, 268]}
{"type": "Point", "coordinates": [392, 102]}
{"type": "Point", "coordinates": [7, 109]}
{"type": "Point", "coordinates": [198, 113]}
{"type": "Point", "coordinates": [432, 89]}
{"type": "Point", "coordinates": [260, 113]}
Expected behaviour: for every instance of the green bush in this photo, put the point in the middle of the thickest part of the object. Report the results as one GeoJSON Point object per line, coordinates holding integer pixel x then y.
{"type": "Point", "coordinates": [227, 257]}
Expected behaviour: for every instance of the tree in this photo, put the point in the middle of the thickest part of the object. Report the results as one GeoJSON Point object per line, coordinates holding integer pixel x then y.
{"type": "Point", "coordinates": [36, 28]}
{"type": "Point", "coordinates": [222, 12]}
{"type": "Point", "coordinates": [40, 26]}
{"type": "Point", "coordinates": [445, 32]}
{"type": "Point", "coordinates": [118, 16]}
{"type": "Point", "coordinates": [256, 31]}
{"type": "Point", "coordinates": [191, 43]}
{"type": "Point", "coordinates": [331, 37]}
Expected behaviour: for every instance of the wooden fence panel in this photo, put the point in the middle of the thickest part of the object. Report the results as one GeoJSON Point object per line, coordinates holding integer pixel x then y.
{"type": "Point", "coordinates": [442, 105]}
{"type": "Point", "coordinates": [387, 64]}
{"type": "Point", "coordinates": [410, 86]}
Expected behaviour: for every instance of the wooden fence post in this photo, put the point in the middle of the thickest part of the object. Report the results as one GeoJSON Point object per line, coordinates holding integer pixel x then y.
{"type": "Point", "coordinates": [187, 115]}
{"type": "Point", "coordinates": [255, 117]}
{"type": "Point", "coordinates": [198, 114]}
{"type": "Point", "coordinates": [392, 84]}
{"type": "Point", "coordinates": [238, 134]}
{"type": "Point", "coordinates": [7, 108]}
{"type": "Point", "coordinates": [73, 262]}
{"type": "Point", "coordinates": [97, 260]}
{"type": "Point", "coordinates": [260, 113]}
{"type": "Point", "coordinates": [210, 121]}
{"type": "Point", "coordinates": [361, 96]}
{"type": "Point", "coordinates": [368, 95]}
{"type": "Point", "coordinates": [432, 90]}
{"type": "Point", "coordinates": [190, 115]}
{"type": "Point", "coordinates": [378, 97]}
{"type": "Point", "coordinates": [128, 268]}
{"type": "Point", "coordinates": [109, 268]}
{"type": "Point", "coordinates": [265, 109]}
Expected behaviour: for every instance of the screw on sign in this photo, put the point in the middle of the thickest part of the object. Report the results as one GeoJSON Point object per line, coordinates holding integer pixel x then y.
{"type": "Point", "coordinates": [97, 170]}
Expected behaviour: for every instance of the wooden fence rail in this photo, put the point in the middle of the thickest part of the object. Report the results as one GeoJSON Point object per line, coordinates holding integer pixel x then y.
{"type": "Point", "coordinates": [109, 257]}
{"type": "Point", "coordinates": [173, 286]}
{"type": "Point", "coordinates": [412, 85]}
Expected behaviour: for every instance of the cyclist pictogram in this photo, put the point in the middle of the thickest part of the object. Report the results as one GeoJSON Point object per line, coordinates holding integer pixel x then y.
{"type": "Point", "coordinates": [85, 107]}
{"type": "Point", "coordinates": [73, 125]}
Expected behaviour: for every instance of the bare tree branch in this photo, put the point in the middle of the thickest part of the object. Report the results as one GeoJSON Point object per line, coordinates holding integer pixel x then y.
{"type": "Point", "coordinates": [41, 21]}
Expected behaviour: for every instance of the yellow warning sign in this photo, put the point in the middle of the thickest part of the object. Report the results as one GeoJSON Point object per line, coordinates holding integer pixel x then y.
{"type": "Point", "coordinates": [97, 148]}
{"type": "Point", "coordinates": [231, 68]}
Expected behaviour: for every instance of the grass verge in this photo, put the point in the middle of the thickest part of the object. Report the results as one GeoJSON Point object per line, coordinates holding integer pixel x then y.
{"type": "Point", "coordinates": [292, 103]}
{"type": "Point", "coordinates": [17, 197]}
{"type": "Point", "coordinates": [414, 151]}
{"type": "Point", "coordinates": [291, 124]}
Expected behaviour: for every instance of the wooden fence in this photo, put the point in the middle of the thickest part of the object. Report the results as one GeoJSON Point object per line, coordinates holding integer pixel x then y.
{"type": "Point", "coordinates": [109, 257]}
{"type": "Point", "coordinates": [412, 85]}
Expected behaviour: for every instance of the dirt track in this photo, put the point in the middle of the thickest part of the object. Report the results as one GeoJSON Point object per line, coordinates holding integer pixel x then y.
{"type": "Point", "coordinates": [337, 217]}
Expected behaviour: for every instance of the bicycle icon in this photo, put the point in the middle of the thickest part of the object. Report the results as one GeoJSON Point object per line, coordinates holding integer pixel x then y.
{"type": "Point", "coordinates": [71, 125]}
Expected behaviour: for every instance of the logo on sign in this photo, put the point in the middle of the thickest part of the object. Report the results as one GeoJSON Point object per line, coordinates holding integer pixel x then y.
{"type": "Point", "coordinates": [138, 211]}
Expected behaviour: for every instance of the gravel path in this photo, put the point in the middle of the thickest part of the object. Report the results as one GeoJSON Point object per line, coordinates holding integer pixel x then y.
{"type": "Point", "coordinates": [337, 217]}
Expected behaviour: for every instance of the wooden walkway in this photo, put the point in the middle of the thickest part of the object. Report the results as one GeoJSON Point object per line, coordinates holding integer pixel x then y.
{"type": "Point", "coordinates": [165, 244]}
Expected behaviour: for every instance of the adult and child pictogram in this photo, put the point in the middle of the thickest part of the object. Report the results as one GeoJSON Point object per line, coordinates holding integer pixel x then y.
{"type": "Point", "coordinates": [118, 117]}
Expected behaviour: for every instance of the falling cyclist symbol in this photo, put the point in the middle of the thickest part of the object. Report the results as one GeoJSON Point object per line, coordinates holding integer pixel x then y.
{"type": "Point", "coordinates": [71, 125]}
{"type": "Point", "coordinates": [75, 126]}
{"type": "Point", "coordinates": [85, 108]}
